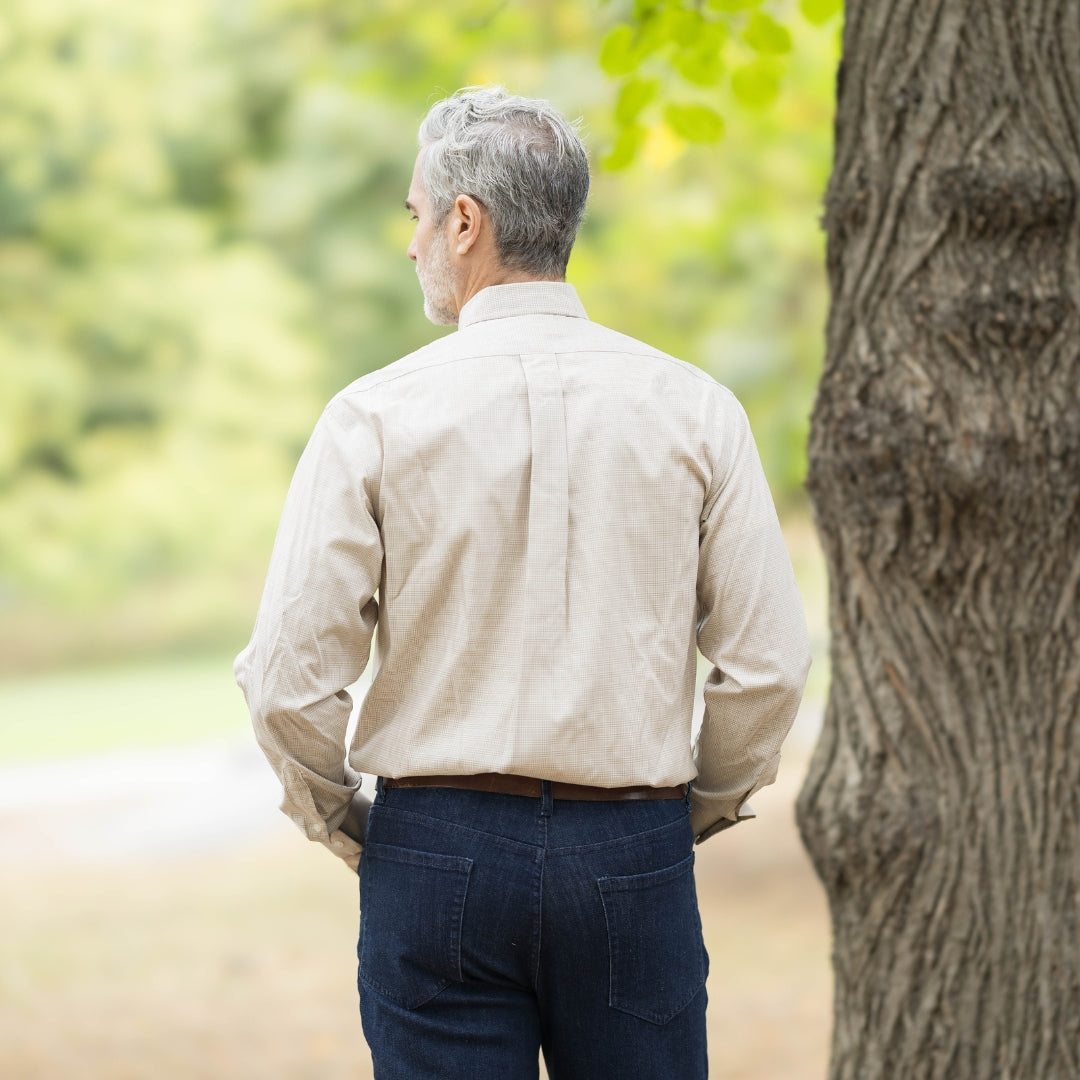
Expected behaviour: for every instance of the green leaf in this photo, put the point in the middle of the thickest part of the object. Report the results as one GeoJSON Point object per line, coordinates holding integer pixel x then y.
{"type": "Point", "coordinates": [633, 97]}
{"type": "Point", "coordinates": [756, 84]}
{"type": "Point", "coordinates": [684, 27]}
{"type": "Point", "coordinates": [712, 37]}
{"type": "Point", "coordinates": [653, 32]}
{"type": "Point", "coordinates": [733, 6]}
{"type": "Point", "coordinates": [626, 146]}
{"type": "Point", "coordinates": [819, 12]}
{"type": "Point", "coordinates": [699, 67]}
{"type": "Point", "coordinates": [695, 123]}
{"type": "Point", "coordinates": [765, 35]}
{"type": "Point", "coordinates": [618, 55]}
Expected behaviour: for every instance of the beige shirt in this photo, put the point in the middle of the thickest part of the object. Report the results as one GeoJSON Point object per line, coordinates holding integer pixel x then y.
{"type": "Point", "coordinates": [540, 521]}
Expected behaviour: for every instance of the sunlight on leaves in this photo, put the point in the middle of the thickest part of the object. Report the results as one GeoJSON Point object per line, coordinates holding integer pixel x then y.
{"type": "Point", "coordinates": [820, 12]}
{"type": "Point", "coordinates": [700, 67]}
{"type": "Point", "coordinates": [695, 123]}
{"type": "Point", "coordinates": [764, 34]}
{"type": "Point", "coordinates": [618, 55]}
{"type": "Point", "coordinates": [633, 97]}
{"type": "Point", "coordinates": [734, 6]}
{"type": "Point", "coordinates": [685, 26]}
{"type": "Point", "coordinates": [627, 144]}
{"type": "Point", "coordinates": [756, 85]}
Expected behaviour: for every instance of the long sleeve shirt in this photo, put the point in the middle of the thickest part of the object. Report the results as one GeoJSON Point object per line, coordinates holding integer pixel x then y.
{"type": "Point", "coordinates": [540, 521]}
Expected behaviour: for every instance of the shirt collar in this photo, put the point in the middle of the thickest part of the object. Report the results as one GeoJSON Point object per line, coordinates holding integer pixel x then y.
{"type": "Point", "coordinates": [522, 298]}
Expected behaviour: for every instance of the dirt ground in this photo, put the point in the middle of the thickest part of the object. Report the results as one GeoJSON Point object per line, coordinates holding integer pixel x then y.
{"type": "Point", "coordinates": [240, 966]}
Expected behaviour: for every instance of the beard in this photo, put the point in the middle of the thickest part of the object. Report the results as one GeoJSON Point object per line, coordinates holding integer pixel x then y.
{"type": "Point", "coordinates": [437, 280]}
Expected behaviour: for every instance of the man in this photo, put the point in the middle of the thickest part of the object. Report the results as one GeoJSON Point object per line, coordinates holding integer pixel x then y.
{"type": "Point", "coordinates": [544, 519]}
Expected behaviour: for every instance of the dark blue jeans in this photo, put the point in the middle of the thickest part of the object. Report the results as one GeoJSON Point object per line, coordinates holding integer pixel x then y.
{"type": "Point", "coordinates": [496, 925]}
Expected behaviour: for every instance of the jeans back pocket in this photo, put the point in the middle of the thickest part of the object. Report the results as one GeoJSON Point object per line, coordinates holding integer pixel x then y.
{"type": "Point", "coordinates": [411, 909]}
{"type": "Point", "coordinates": [657, 955]}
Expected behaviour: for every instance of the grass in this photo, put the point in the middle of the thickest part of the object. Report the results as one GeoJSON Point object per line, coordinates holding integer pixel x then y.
{"type": "Point", "coordinates": [160, 703]}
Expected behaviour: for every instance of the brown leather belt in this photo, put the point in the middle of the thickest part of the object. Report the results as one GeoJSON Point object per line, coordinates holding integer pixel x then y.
{"type": "Point", "coordinates": [505, 784]}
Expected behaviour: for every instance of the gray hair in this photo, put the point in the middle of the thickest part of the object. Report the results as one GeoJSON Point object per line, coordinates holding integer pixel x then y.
{"type": "Point", "coordinates": [521, 160]}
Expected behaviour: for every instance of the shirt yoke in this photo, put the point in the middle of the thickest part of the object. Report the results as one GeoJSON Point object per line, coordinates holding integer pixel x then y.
{"type": "Point", "coordinates": [501, 337]}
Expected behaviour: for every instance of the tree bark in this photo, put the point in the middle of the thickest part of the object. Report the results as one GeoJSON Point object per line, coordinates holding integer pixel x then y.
{"type": "Point", "coordinates": [942, 807]}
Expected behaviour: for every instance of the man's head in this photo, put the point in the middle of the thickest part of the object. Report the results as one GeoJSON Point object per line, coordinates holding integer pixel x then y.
{"type": "Point", "coordinates": [499, 192]}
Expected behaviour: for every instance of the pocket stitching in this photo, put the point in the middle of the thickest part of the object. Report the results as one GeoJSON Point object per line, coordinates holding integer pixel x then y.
{"type": "Point", "coordinates": [608, 887]}
{"type": "Point", "coordinates": [461, 869]}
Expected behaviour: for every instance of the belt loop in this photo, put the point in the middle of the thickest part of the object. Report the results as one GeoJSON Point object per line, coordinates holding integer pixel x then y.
{"type": "Point", "coordinates": [689, 789]}
{"type": "Point", "coordinates": [545, 798]}
{"type": "Point", "coordinates": [380, 791]}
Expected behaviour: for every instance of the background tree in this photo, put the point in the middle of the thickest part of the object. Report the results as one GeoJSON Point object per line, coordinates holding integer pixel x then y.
{"type": "Point", "coordinates": [132, 310]}
{"type": "Point", "coordinates": [942, 806]}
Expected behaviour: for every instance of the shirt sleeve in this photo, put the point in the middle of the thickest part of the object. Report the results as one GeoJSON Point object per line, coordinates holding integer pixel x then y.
{"type": "Point", "coordinates": [751, 627]}
{"type": "Point", "coordinates": [313, 632]}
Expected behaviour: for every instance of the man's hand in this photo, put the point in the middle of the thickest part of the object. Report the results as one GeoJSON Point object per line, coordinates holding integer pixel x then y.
{"type": "Point", "coordinates": [744, 813]}
{"type": "Point", "coordinates": [355, 826]}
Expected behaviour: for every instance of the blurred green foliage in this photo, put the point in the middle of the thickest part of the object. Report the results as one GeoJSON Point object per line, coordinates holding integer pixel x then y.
{"type": "Point", "coordinates": [697, 57]}
{"type": "Point", "coordinates": [202, 238]}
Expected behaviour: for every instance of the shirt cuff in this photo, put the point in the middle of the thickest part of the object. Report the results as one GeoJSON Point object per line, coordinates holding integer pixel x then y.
{"type": "Point", "coordinates": [349, 838]}
{"type": "Point", "coordinates": [710, 813]}
{"type": "Point", "coordinates": [341, 845]}
{"type": "Point", "coordinates": [744, 813]}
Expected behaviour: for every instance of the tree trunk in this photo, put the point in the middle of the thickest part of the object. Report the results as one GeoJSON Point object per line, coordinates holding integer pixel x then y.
{"type": "Point", "coordinates": [942, 808]}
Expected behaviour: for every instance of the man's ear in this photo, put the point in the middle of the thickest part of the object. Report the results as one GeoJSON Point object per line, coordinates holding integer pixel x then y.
{"type": "Point", "coordinates": [468, 223]}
